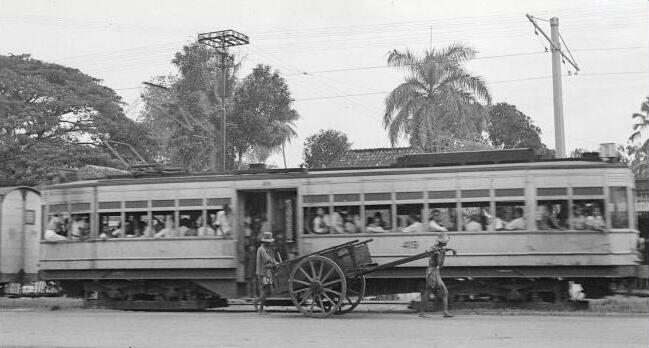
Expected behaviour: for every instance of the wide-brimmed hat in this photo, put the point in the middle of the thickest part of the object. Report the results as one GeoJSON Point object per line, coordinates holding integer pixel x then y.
{"type": "Point", "coordinates": [267, 237]}
{"type": "Point", "coordinates": [442, 238]}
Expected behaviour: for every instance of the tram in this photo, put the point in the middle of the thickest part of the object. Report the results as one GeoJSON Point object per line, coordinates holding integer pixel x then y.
{"type": "Point", "coordinates": [127, 257]}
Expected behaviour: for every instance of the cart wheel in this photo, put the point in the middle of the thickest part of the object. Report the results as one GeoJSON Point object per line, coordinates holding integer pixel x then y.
{"type": "Point", "coordinates": [355, 294]}
{"type": "Point", "coordinates": [317, 286]}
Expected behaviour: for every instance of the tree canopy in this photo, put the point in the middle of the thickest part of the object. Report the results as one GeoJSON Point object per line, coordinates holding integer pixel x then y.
{"type": "Point", "coordinates": [53, 117]}
{"type": "Point", "coordinates": [439, 99]}
{"type": "Point", "coordinates": [324, 147]}
{"type": "Point", "coordinates": [510, 128]}
{"type": "Point", "coordinates": [637, 149]}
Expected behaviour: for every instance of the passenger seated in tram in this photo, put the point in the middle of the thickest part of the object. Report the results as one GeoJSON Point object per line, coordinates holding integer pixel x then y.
{"type": "Point", "coordinates": [321, 222]}
{"type": "Point", "coordinates": [436, 224]}
{"type": "Point", "coordinates": [377, 225]}
{"type": "Point", "coordinates": [184, 230]}
{"type": "Point", "coordinates": [414, 225]}
{"type": "Point", "coordinates": [351, 225]}
{"type": "Point", "coordinates": [54, 228]}
{"type": "Point", "coordinates": [168, 230]}
{"type": "Point", "coordinates": [117, 232]}
{"type": "Point", "coordinates": [473, 224]}
{"type": "Point", "coordinates": [338, 222]}
{"type": "Point", "coordinates": [518, 223]}
{"type": "Point", "coordinates": [545, 220]}
{"type": "Point", "coordinates": [579, 219]}
{"type": "Point", "coordinates": [497, 223]}
{"type": "Point", "coordinates": [595, 221]}
{"type": "Point", "coordinates": [224, 222]}
{"type": "Point", "coordinates": [129, 230]}
{"type": "Point", "coordinates": [75, 228]}
{"type": "Point", "coordinates": [204, 231]}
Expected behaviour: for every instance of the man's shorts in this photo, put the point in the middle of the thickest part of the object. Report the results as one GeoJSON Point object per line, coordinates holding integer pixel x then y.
{"type": "Point", "coordinates": [263, 288]}
{"type": "Point", "coordinates": [434, 281]}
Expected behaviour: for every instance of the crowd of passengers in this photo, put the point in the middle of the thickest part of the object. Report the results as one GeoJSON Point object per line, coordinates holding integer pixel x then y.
{"type": "Point", "coordinates": [508, 218]}
{"type": "Point", "coordinates": [64, 227]}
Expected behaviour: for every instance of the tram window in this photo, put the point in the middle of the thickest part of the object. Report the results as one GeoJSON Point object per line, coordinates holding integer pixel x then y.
{"type": "Point", "coordinates": [80, 226]}
{"type": "Point", "coordinates": [317, 220]}
{"type": "Point", "coordinates": [509, 216]}
{"type": "Point", "coordinates": [163, 224]}
{"type": "Point", "coordinates": [346, 219]}
{"type": "Point", "coordinates": [409, 217]}
{"type": "Point", "coordinates": [552, 214]}
{"type": "Point", "coordinates": [618, 207]}
{"type": "Point", "coordinates": [588, 214]}
{"type": "Point", "coordinates": [378, 218]}
{"type": "Point", "coordinates": [110, 225]}
{"type": "Point", "coordinates": [220, 220]}
{"type": "Point", "coordinates": [188, 221]}
{"type": "Point", "coordinates": [137, 225]}
{"type": "Point", "coordinates": [475, 216]}
{"type": "Point", "coordinates": [443, 217]}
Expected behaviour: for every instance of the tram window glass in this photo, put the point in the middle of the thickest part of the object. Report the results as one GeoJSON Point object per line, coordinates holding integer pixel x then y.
{"type": "Point", "coordinates": [588, 214]}
{"type": "Point", "coordinates": [442, 217]}
{"type": "Point", "coordinates": [346, 219]}
{"type": "Point", "coordinates": [509, 216]}
{"type": "Point", "coordinates": [80, 226]}
{"type": "Point", "coordinates": [220, 220]}
{"type": "Point", "coordinates": [409, 217]}
{"type": "Point", "coordinates": [188, 223]}
{"type": "Point", "coordinates": [475, 216]}
{"type": "Point", "coordinates": [378, 218]}
{"type": "Point", "coordinates": [618, 207]}
{"type": "Point", "coordinates": [137, 225]}
{"type": "Point", "coordinates": [552, 214]}
{"type": "Point", "coordinates": [163, 224]}
{"type": "Point", "coordinates": [317, 220]}
{"type": "Point", "coordinates": [110, 225]}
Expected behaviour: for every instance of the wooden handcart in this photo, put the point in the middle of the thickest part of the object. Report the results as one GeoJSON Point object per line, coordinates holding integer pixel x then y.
{"type": "Point", "coordinates": [332, 280]}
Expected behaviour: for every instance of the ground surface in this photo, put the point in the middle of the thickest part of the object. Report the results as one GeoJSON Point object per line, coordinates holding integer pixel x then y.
{"type": "Point", "coordinates": [101, 328]}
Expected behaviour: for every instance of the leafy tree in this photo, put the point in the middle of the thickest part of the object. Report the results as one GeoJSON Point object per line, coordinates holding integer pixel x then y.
{"type": "Point", "coordinates": [439, 97]}
{"type": "Point", "coordinates": [641, 123]}
{"type": "Point", "coordinates": [325, 147]}
{"type": "Point", "coordinates": [53, 117]}
{"type": "Point", "coordinates": [263, 116]}
{"type": "Point", "coordinates": [510, 128]}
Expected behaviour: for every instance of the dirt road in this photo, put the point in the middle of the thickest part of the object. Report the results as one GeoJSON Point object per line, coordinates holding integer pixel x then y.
{"type": "Point", "coordinates": [95, 328]}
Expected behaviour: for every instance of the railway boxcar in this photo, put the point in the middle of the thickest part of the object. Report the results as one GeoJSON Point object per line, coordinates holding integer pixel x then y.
{"type": "Point", "coordinates": [522, 229]}
{"type": "Point", "coordinates": [20, 213]}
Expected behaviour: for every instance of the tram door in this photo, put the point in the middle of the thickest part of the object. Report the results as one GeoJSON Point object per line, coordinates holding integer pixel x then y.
{"type": "Point", "coordinates": [261, 211]}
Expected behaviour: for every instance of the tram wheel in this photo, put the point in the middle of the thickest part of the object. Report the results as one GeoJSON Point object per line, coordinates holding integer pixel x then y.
{"type": "Point", "coordinates": [317, 286]}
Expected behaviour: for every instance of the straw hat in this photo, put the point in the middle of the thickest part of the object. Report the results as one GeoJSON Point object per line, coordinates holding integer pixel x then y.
{"type": "Point", "coordinates": [267, 237]}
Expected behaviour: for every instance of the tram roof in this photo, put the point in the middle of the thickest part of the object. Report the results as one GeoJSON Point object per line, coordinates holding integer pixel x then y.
{"type": "Point", "coordinates": [403, 168]}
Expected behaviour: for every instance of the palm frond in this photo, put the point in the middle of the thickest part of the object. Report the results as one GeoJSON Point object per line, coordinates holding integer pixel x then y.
{"type": "Point", "coordinates": [397, 99]}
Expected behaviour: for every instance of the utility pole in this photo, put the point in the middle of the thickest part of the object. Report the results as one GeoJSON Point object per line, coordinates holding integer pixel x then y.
{"type": "Point", "coordinates": [557, 57]}
{"type": "Point", "coordinates": [221, 41]}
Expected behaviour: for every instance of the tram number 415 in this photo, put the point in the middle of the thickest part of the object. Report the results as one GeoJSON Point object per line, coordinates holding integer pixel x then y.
{"type": "Point", "coordinates": [410, 244]}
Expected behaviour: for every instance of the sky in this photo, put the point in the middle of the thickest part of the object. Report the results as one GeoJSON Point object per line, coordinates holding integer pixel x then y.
{"type": "Point", "coordinates": [333, 54]}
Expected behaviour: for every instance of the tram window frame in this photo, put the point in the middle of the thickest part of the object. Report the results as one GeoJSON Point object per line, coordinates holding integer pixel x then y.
{"type": "Point", "coordinates": [479, 208]}
{"type": "Point", "coordinates": [345, 211]}
{"type": "Point", "coordinates": [310, 213]}
{"type": "Point", "coordinates": [159, 232]}
{"type": "Point", "coordinates": [561, 220]}
{"type": "Point", "coordinates": [192, 215]}
{"type": "Point", "coordinates": [405, 211]}
{"type": "Point", "coordinates": [618, 208]}
{"type": "Point", "coordinates": [502, 206]}
{"type": "Point", "coordinates": [107, 221]}
{"type": "Point", "coordinates": [384, 210]}
{"type": "Point", "coordinates": [448, 213]}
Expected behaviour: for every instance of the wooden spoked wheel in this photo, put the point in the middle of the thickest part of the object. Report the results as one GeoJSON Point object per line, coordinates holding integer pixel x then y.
{"type": "Point", "coordinates": [354, 295]}
{"type": "Point", "coordinates": [317, 286]}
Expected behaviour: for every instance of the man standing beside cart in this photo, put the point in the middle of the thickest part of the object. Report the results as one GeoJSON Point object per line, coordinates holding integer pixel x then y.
{"type": "Point", "coordinates": [265, 262]}
{"type": "Point", "coordinates": [434, 280]}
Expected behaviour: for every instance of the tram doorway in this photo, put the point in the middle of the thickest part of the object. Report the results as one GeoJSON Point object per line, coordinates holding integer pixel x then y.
{"type": "Point", "coordinates": [261, 211]}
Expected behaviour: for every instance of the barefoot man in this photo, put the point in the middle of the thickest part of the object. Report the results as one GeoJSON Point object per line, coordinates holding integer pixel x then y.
{"type": "Point", "coordinates": [264, 262]}
{"type": "Point", "coordinates": [434, 278]}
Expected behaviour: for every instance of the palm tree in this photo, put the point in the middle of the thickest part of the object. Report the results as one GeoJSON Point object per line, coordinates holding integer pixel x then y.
{"type": "Point", "coordinates": [439, 98]}
{"type": "Point", "coordinates": [641, 124]}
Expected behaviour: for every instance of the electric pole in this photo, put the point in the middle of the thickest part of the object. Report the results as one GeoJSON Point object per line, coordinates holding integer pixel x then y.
{"type": "Point", "coordinates": [558, 56]}
{"type": "Point", "coordinates": [221, 41]}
